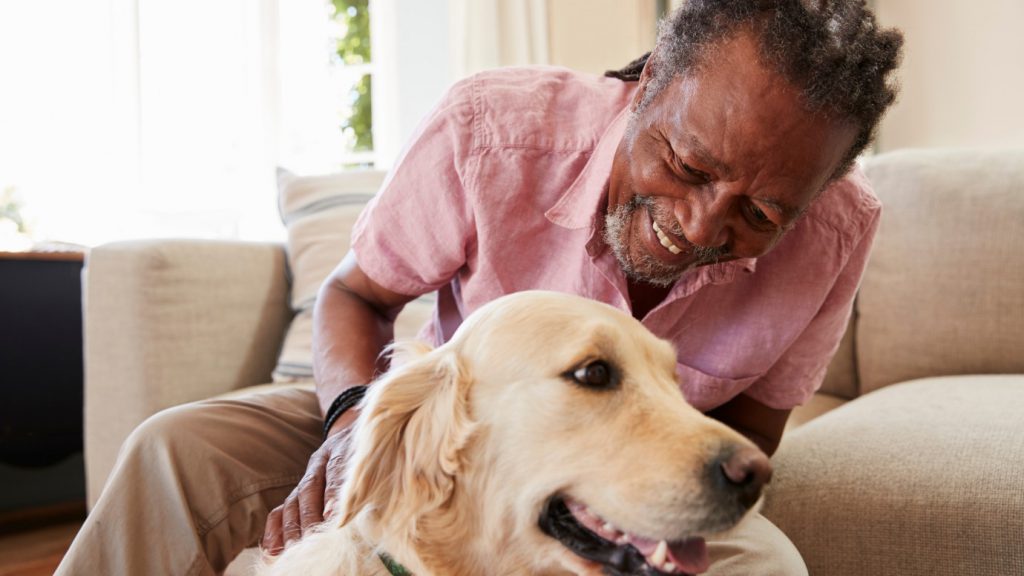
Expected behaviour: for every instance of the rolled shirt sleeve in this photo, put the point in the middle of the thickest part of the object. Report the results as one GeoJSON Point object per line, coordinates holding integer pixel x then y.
{"type": "Point", "coordinates": [418, 231]}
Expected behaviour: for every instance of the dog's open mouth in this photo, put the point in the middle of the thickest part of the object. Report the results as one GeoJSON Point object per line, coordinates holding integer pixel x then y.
{"type": "Point", "coordinates": [621, 553]}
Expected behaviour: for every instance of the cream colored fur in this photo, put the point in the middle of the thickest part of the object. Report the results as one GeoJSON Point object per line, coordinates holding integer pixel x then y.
{"type": "Point", "coordinates": [457, 449]}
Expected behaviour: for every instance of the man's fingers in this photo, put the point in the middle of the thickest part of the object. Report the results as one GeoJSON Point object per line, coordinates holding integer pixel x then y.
{"type": "Point", "coordinates": [303, 508]}
{"type": "Point", "coordinates": [290, 525]}
{"type": "Point", "coordinates": [272, 541]}
{"type": "Point", "coordinates": [311, 503]}
{"type": "Point", "coordinates": [310, 490]}
{"type": "Point", "coordinates": [335, 478]}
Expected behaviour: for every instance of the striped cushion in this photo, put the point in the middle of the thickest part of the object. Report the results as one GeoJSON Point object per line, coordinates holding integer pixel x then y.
{"type": "Point", "coordinates": [319, 213]}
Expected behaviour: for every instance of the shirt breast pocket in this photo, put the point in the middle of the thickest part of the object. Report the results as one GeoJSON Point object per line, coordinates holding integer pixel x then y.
{"type": "Point", "coordinates": [706, 391]}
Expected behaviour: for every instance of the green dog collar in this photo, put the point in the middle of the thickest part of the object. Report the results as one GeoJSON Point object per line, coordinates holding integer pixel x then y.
{"type": "Point", "coordinates": [393, 567]}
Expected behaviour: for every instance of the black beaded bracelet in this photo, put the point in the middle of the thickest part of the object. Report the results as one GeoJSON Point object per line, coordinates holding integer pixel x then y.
{"type": "Point", "coordinates": [347, 399]}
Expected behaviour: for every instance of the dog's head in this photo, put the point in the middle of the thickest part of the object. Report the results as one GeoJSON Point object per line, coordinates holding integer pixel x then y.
{"type": "Point", "coordinates": [548, 436]}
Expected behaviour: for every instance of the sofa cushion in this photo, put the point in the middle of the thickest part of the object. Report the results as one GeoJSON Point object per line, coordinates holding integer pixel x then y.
{"type": "Point", "coordinates": [920, 478]}
{"type": "Point", "coordinates": [319, 213]}
{"type": "Point", "coordinates": [944, 290]}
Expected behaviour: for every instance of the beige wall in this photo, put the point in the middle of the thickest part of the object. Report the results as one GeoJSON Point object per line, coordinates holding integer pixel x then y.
{"type": "Point", "coordinates": [598, 35]}
{"type": "Point", "coordinates": [962, 75]}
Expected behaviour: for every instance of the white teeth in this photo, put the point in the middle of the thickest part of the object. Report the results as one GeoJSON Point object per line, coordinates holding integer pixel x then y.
{"type": "Point", "coordinates": [609, 528]}
{"type": "Point", "coordinates": [665, 240]}
{"type": "Point", "coordinates": [668, 567]}
{"type": "Point", "coordinates": [658, 557]}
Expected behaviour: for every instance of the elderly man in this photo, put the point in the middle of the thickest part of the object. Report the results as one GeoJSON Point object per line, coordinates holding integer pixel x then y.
{"type": "Point", "coordinates": [709, 189]}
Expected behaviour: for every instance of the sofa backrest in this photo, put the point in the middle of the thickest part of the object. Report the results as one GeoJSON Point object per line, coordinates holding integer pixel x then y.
{"type": "Point", "coordinates": [943, 293]}
{"type": "Point", "coordinates": [841, 378]}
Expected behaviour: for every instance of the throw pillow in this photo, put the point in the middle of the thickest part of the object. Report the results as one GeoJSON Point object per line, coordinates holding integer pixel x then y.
{"type": "Point", "coordinates": [319, 213]}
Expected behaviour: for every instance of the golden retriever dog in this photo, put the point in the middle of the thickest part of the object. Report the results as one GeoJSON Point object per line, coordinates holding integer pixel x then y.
{"type": "Point", "coordinates": [548, 437]}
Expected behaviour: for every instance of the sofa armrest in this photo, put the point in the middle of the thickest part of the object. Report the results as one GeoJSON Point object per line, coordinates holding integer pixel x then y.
{"type": "Point", "coordinates": [172, 321]}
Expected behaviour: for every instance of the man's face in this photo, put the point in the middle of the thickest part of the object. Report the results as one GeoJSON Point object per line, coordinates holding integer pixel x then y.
{"type": "Point", "coordinates": [717, 167]}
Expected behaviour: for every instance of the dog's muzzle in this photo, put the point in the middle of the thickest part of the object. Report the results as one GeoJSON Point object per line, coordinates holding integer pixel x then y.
{"type": "Point", "coordinates": [618, 558]}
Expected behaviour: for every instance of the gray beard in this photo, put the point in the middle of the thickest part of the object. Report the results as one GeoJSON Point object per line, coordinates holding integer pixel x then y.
{"type": "Point", "coordinates": [646, 268]}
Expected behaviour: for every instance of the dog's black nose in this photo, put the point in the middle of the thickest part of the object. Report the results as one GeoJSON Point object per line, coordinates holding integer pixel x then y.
{"type": "Point", "coordinates": [745, 471]}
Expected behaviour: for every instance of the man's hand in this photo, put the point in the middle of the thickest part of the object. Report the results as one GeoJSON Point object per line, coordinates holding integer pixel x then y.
{"type": "Point", "coordinates": [314, 497]}
{"type": "Point", "coordinates": [353, 320]}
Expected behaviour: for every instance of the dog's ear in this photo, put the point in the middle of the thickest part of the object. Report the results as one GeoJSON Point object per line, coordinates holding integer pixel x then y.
{"type": "Point", "coordinates": [407, 447]}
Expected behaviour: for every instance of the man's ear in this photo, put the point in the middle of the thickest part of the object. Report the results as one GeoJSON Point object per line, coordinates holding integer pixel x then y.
{"type": "Point", "coordinates": [646, 75]}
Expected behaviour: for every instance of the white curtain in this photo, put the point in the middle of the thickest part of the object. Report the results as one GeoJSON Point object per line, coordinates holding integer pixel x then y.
{"type": "Point", "coordinates": [422, 46]}
{"type": "Point", "coordinates": [143, 118]}
{"type": "Point", "coordinates": [154, 118]}
{"type": "Point", "coordinates": [492, 33]}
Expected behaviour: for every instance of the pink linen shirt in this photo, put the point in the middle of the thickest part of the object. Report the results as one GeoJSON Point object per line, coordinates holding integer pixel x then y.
{"type": "Point", "coordinates": [503, 188]}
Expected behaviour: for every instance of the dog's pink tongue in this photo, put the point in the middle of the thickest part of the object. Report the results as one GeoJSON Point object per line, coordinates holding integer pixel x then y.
{"type": "Point", "coordinates": [689, 555]}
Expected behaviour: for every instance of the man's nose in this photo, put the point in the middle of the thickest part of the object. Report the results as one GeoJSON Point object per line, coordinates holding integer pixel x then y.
{"type": "Point", "coordinates": [703, 219]}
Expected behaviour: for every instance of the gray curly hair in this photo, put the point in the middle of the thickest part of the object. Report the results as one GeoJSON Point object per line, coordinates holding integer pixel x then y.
{"type": "Point", "coordinates": [833, 50]}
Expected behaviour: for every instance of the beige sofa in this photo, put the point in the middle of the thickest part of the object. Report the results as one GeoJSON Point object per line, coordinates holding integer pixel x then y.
{"type": "Point", "coordinates": [910, 461]}
{"type": "Point", "coordinates": [918, 465]}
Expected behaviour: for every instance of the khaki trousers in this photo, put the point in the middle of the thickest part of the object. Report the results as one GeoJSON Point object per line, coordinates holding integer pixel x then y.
{"type": "Point", "coordinates": [193, 485]}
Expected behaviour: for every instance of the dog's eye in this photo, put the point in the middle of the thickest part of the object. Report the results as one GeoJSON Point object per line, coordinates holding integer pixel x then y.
{"type": "Point", "coordinates": [597, 374]}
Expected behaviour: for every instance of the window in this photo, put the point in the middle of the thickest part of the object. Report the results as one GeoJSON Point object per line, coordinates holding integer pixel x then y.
{"type": "Point", "coordinates": [352, 70]}
{"type": "Point", "coordinates": [171, 117]}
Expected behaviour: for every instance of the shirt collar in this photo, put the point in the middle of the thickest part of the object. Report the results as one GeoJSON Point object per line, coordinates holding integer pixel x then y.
{"type": "Point", "coordinates": [580, 205]}
{"type": "Point", "coordinates": [745, 264]}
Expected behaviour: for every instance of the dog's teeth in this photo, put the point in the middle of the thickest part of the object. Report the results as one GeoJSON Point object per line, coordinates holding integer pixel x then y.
{"type": "Point", "coordinates": [609, 528]}
{"type": "Point", "coordinates": [668, 567]}
{"type": "Point", "coordinates": [658, 557]}
{"type": "Point", "coordinates": [624, 539]}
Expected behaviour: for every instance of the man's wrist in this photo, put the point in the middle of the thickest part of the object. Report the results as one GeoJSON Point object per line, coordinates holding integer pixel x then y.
{"type": "Point", "coordinates": [341, 405]}
{"type": "Point", "coordinates": [344, 422]}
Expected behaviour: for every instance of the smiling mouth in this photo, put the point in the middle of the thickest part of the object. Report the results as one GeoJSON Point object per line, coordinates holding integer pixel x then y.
{"type": "Point", "coordinates": [701, 254]}
{"type": "Point", "coordinates": [665, 240]}
{"type": "Point", "coordinates": [620, 553]}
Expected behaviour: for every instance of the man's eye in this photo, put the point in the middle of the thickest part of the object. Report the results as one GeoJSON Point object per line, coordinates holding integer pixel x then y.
{"type": "Point", "coordinates": [698, 174]}
{"type": "Point", "coordinates": [758, 216]}
{"type": "Point", "coordinates": [597, 374]}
